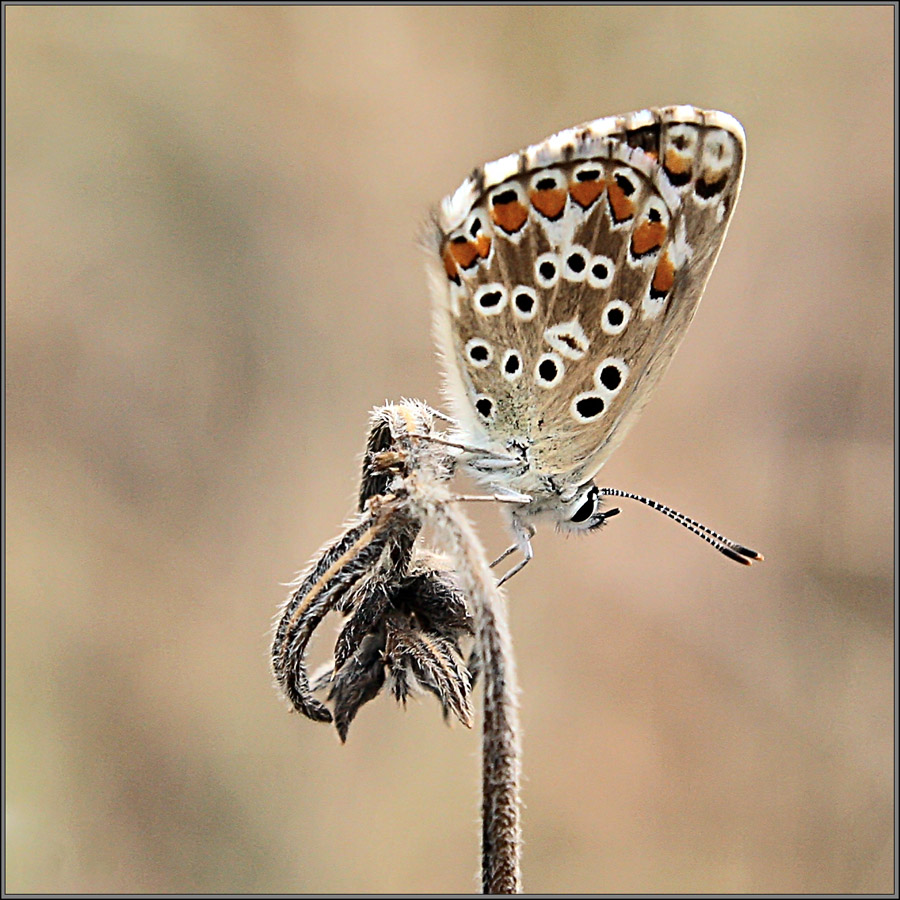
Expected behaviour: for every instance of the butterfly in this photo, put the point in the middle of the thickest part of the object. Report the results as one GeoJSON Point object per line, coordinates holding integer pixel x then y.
{"type": "Point", "coordinates": [564, 278]}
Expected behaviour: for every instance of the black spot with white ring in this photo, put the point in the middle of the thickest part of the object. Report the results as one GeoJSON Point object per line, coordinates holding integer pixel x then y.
{"type": "Point", "coordinates": [588, 406]}
{"type": "Point", "coordinates": [600, 271]}
{"type": "Point", "coordinates": [577, 260]}
{"type": "Point", "coordinates": [479, 353]}
{"type": "Point", "coordinates": [490, 299]}
{"type": "Point", "coordinates": [485, 406]}
{"type": "Point", "coordinates": [524, 302]}
{"type": "Point", "coordinates": [546, 270]}
{"type": "Point", "coordinates": [610, 375]}
{"type": "Point", "coordinates": [615, 317]}
{"type": "Point", "coordinates": [511, 367]}
{"type": "Point", "coordinates": [549, 370]}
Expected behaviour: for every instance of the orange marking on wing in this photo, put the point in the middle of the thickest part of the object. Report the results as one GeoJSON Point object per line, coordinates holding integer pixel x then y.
{"type": "Point", "coordinates": [465, 253]}
{"type": "Point", "coordinates": [585, 193]}
{"type": "Point", "coordinates": [483, 245]}
{"type": "Point", "coordinates": [676, 163]}
{"type": "Point", "coordinates": [509, 216]}
{"type": "Point", "coordinates": [621, 205]}
{"type": "Point", "coordinates": [664, 276]}
{"type": "Point", "coordinates": [549, 203]}
{"type": "Point", "coordinates": [647, 237]}
{"type": "Point", "coordinates": [450, 266]}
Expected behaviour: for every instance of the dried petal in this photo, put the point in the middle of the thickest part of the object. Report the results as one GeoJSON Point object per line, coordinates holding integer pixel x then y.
{"type": "Point", "coordinates": [336, 571]}
{"type": "Point", "coordinates": [436, 664]}
{"type": "Point", "coordinates": [436, 601]}
{"type": "Point", "coordinates": [371, 601]}
{"type": "Point", "coordinates": [357, 682]}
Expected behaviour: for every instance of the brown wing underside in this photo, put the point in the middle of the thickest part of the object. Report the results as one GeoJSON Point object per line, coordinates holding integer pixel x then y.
{"type": "Point", "coordinates": [568, 288]}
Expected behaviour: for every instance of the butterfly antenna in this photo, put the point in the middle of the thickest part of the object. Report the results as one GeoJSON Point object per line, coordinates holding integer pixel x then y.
{"type": "Point", "coordinates": [729, 548]}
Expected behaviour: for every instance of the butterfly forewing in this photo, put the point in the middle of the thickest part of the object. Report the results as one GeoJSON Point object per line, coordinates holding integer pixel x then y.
{"type": "Point", "coordinates": [565, 277]}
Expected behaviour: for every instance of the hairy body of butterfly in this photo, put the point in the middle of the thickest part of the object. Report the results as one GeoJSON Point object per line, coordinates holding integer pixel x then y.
{"type": "Point", "coordinates": [564, 279]}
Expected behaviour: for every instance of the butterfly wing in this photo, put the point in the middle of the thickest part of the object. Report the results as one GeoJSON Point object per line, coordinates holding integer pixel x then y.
{"type": "Point", "coordinates": [565, 277]}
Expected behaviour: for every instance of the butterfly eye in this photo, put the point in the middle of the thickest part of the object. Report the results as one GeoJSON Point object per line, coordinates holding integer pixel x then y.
{"type": "Point", "coordinates": [587, 509]}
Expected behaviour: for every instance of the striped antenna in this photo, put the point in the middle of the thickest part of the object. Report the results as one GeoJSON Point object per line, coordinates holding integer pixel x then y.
{"type": "Point", "coordinates": [729, 548]}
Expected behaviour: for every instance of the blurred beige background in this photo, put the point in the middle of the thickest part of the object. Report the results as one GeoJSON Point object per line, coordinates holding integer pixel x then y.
{"type": "Point", "coordinates": [212, 276]}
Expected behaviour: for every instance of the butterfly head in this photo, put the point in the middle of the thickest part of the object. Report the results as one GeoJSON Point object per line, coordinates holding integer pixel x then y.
{"type": "Point", "coordinates": [579, 509]}
{"type": "Point", "coordinates": [584, 512]}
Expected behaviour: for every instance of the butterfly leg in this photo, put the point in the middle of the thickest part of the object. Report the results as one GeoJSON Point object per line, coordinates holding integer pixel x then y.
{"type": "Point", "coordinates": [442, 416]}
{"type": "Point", "coordinates": [502, 496]}
{"type": "Point", "coordinates": [524, 534]}
{"type": "Point", "coordinates": [497, 460]}
{"type": "Point", "coordinates": [504, 554]}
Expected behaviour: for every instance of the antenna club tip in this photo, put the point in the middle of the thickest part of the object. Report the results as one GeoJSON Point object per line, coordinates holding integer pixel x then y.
{"type": "Point", "coordinates": [752, 554]}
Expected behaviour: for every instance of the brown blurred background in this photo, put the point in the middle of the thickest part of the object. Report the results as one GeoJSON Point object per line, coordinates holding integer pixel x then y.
{"type": "Point", "coordinates": [212, 276]}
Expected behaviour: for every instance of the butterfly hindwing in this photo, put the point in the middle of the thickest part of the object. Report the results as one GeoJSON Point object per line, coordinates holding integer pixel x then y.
{"type": "Point", "coordinates": [566, 276]}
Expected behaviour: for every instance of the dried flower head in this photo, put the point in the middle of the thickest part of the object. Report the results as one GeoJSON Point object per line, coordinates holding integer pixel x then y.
{"type": "Point", "coordinates": [405, 615]}
{"type": "Point", "coordinates": [405, 631]}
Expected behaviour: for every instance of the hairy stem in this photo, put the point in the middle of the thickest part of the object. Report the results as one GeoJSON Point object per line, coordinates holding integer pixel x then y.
{"type": "Point", "coordinates": [500, 808]}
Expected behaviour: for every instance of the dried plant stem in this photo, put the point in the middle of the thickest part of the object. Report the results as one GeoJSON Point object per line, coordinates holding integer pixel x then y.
{"type": "Point", "coordinates": [501, 829]}
{"type": "Point", "coordinates": [406, 616]}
